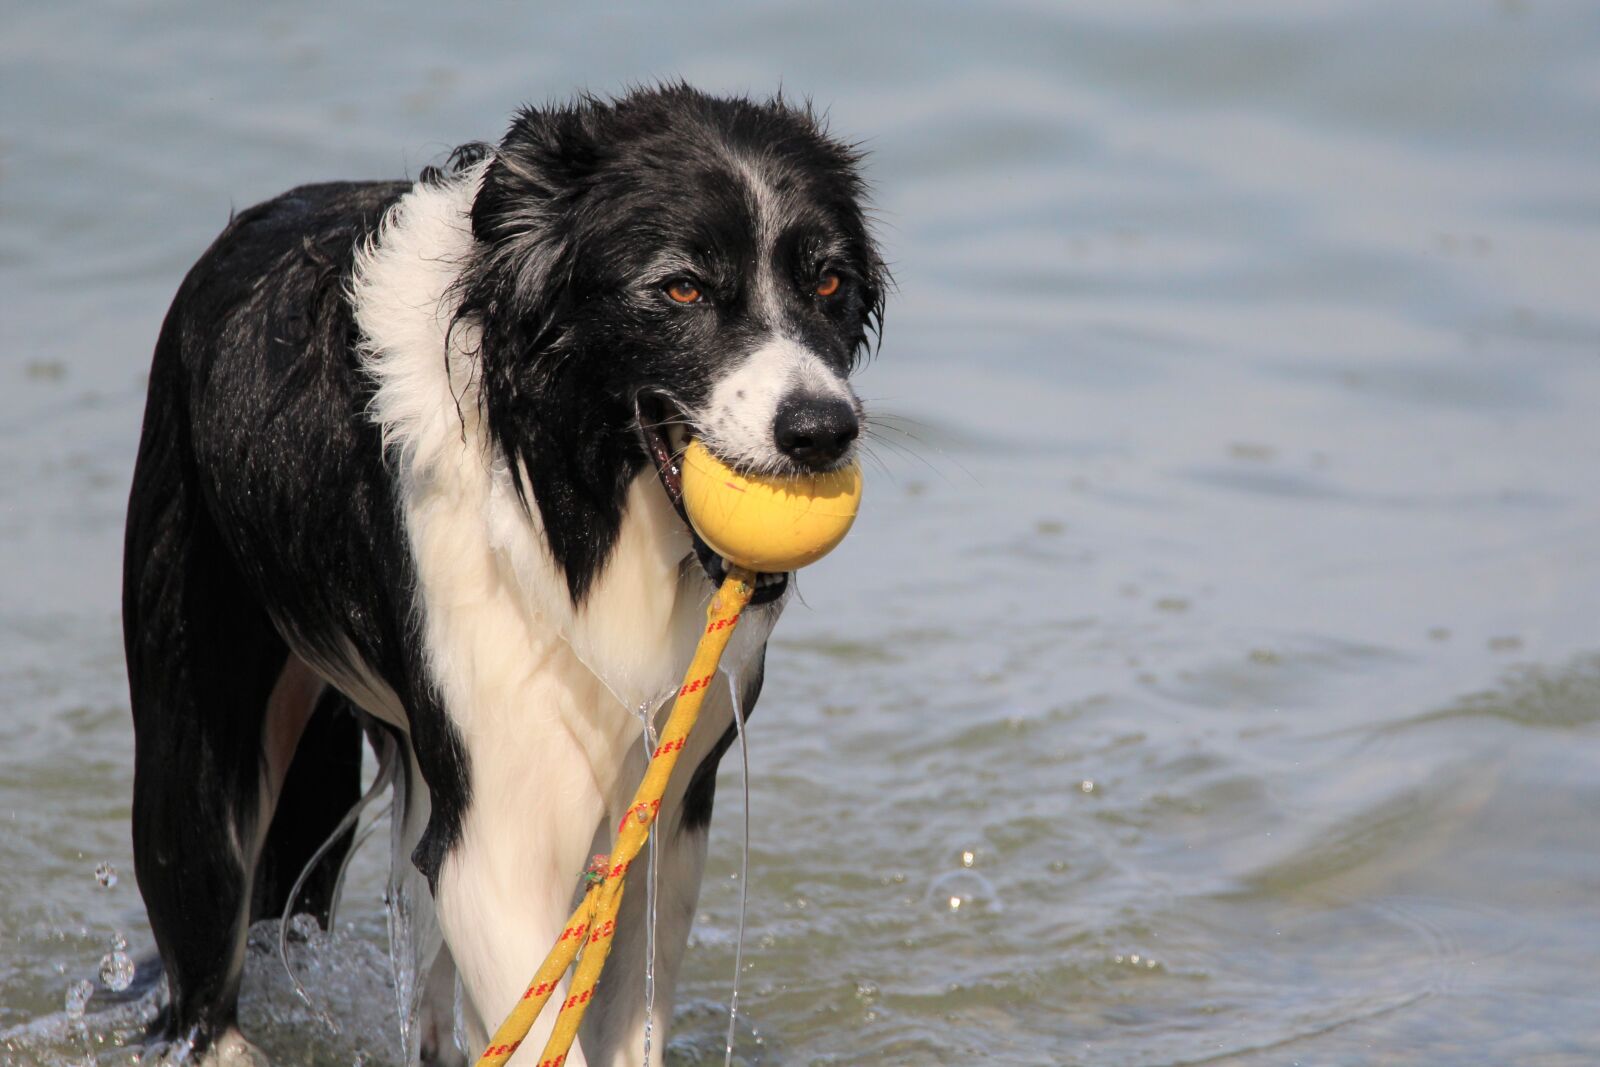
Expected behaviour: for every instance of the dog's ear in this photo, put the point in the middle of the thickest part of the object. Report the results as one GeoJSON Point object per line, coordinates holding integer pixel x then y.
{"type": "Point", "coordinates": [519, 293]}
{"type": "Point", "coordinates": [517, 290]}
{"type": "Point", "coordinates": [524, 210]}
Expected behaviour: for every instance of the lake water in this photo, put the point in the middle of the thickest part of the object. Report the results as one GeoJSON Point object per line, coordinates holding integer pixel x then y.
{"type": "Point", "coordinates": [1229, 582]}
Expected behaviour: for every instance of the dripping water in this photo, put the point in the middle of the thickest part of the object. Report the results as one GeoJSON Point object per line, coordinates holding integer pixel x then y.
{"type": "Point", "coordinates": [381, 781]}
{"type": "Point", "coordinates": [650, 735]}
{"type": "Point", "coordinates": [744, 863]}
{"type": "Point", "coordinates": [647, 712]}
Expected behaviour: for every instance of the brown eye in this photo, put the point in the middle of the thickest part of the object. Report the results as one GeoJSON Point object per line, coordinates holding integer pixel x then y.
{"type": "Point", "coordinates": [684, 292]}
{"type": "Point", "coordinates": [828, 285]}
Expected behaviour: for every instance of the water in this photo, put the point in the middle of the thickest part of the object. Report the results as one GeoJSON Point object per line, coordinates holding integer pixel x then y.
{"type": "Point", "coordinates": [742, 925]}
{"type": "Point", "coordinates": [1238, 459]}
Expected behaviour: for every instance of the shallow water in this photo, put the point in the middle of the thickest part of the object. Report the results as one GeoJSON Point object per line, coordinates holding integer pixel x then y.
{"type": "Point", "coordinates": [1228, 582]}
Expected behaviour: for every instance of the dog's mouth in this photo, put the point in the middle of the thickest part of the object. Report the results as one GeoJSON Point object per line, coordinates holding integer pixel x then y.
{"type": "Point", "coordinates": [666, 432]}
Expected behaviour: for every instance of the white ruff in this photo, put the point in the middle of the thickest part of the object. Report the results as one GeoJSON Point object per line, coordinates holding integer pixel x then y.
{"type": "Point", "coordinates": [542, 695]}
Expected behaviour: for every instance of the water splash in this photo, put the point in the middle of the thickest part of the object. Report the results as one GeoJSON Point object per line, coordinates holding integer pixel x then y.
{"type": "Point", "coordinates": [106, 874]}
{"type": "Point", "coordinates": [344, 867]}
{"type": "Point", "coordinates": [290, 922]}
{"type": "Point", "coordinates": [744, 865]}
{"type": "Point", "coordinates": [78, 996]}
{"type": "Point", "coordinates": [414, 935]}
{"type": "Point", "coordinates": [116, 969]}
{"type": "Point", "coordinates": [347, 974]}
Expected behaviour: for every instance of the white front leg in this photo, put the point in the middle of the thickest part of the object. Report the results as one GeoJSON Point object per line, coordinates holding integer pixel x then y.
{"type": "Point", "coordinates": [507, 889]}
{"type": "Point", "coordinates": [613, 1031]}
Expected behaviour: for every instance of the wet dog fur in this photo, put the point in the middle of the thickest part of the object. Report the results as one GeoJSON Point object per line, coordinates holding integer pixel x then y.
{"type": "Point", "coordinates": [408, 472]}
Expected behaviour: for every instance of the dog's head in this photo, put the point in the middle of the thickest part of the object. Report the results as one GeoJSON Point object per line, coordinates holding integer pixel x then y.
{"type": "Point", "coordinates": [662, 266]}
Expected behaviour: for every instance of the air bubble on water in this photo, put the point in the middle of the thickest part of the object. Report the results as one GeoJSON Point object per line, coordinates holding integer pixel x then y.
{"type": "Point", "coordinates": [968, 858]}
{"type": "Point", "coordinates": [118, 942]}
{"type": "Point", "coordinates": [106, 875]}
{"type": "Point", "coordinates": [963, 890]}
{"type": "Point", "coordinates": [116, 971]}
{"type": "Point", "coordinates": [1139, 960]}
{"type": "Point", "coordinates": [1086, 786]}
{"type": "Point", "coordinates": [78, 994]}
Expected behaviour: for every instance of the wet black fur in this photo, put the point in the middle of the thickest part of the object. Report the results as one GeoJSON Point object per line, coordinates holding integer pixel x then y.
{"type": "Point", "coordinates": [263, 514]}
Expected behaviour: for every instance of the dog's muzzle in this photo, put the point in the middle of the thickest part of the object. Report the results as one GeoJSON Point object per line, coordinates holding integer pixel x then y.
{"type": "Point", "coordinates": [666, 433]}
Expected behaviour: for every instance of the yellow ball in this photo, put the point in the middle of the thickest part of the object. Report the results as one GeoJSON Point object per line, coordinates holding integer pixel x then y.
{"type": "Point", "coordinates": [768, 524]}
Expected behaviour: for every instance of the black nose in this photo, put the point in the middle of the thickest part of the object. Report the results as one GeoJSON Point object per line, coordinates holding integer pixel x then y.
{"type": "Point", "coordinates": [815, 431]}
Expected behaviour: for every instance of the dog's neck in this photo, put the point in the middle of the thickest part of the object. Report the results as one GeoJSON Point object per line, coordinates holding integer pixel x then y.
{"type": "Point", "coordinates": [481, 558]}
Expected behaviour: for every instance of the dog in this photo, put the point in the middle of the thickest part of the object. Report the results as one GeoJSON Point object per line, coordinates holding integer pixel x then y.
{"type": "Point", "coordinates": [408, 473]}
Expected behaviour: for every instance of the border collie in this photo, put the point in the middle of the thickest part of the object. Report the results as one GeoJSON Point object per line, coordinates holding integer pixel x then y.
{"type": "Point", "coordinates": [408, 471]}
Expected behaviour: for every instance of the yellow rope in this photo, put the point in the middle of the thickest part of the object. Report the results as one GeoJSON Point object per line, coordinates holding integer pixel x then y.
{"type": "Point", "coordinates": [593, 924]}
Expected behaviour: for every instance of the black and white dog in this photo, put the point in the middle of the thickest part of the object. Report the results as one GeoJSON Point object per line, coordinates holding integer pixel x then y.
{"type": "Point", "coordinates": [408, 468]}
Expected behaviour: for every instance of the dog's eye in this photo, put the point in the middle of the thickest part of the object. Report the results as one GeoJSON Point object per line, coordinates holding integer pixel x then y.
{"type": "Point", "coordinates": [828, 284]}
{"type": "Point", "coordinates": [683, 291]}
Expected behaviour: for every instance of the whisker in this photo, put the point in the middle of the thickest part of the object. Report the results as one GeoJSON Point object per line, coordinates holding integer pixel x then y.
{"type": "Point", "coordinates": [879, 422]}
{"type": "Point", "coordinates": [884, 467]}
{"type": "Point", "coordinates": [908, 451]}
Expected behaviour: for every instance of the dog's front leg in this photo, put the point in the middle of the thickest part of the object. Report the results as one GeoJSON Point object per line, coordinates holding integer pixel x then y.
{"type": "Point", "coordinates": [505, 890]}
{"type": "Point", "coordinates": [613, 1033]}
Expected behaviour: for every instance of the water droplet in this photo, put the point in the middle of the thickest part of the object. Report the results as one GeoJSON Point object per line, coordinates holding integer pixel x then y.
{"type": "Point", "coordinates": [78, 994]}
{"type": "Point", "coordinates": [866, 991]}
{"type": "Point", "coordinates": [955, 902]}
{"type": "Point", "coordinates": [1087, 785]}
{"type": "Point", "coordinates": [968, 858]}
{"type": "Point", "coordinates": [118, 942]}
{"type": "Point", "coordinates": [303, 926]}
{"type": "Point", "coordinates": [116, 971]}
{"type": "Point", "coordinates": [106, 875]}
{"type": "Point", "coordinates": [1137, 959]}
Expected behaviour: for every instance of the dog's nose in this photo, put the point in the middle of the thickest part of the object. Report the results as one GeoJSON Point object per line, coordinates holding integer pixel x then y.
{"type": "Point", "coordinates": [815, 431]}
